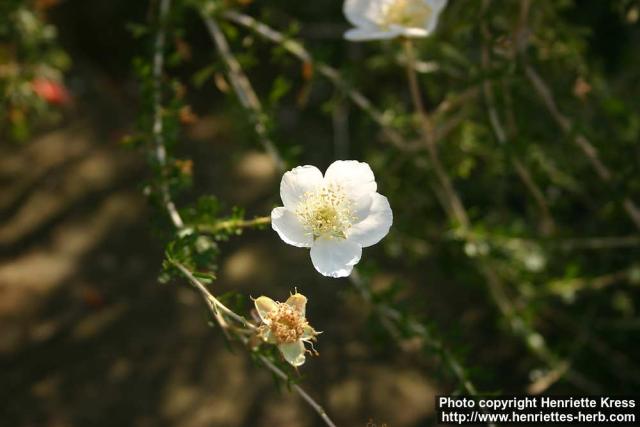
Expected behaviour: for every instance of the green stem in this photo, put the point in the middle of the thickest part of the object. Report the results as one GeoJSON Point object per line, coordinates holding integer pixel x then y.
{"type": "Point", "coordinates": [455, 206]}
{"type": "Point", "coordinates": [214, 302]}
{"type": "Point", "coordinates": [231, 224]}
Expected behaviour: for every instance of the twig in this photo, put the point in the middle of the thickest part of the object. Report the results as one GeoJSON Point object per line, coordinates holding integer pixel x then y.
{"type": "Point", "coordinates": [214, 305]}
{"type": "Point", "coordinates": [297, 49]}
{"type": "Point", "coordinates": [544, 92]}
{"type": "Point", "coordinates": [243, 89]}
{"type": "Point", "coordinates": [269, 364]}
{"type": "Point", "coordinates": [572, 286]}
{"type": "Point", "coordinates": [233, 223]}
{"type": "Point", "coordinates": [340, 121]}
{"type": "Point", "coordinates": [456, 211]}
{"type": "Point", "coordinates": [609, 242]}
{"type": "Point", "coordinates": [535, 341]}
{"type": "Point", "coordinates": [618, 363]}
{"type": "Point", "coordinates": [158, 135]}
{"type": "Point", "coordinates": [565, 244]}
{"type": "Point", "coordinates": [455, 207]}
{"type": "Point", "coordinates": [388, 314]}
{"type": "Point", "coordinates": [417, 328]}
{"type": "Point", "coordinates": [546, 223]}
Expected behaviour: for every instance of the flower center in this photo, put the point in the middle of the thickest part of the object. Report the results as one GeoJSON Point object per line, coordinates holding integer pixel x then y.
{"type": "Point", "coordinates": [326, 212]}
{"type": "Point", "coordinates": [286, 324]}
{"type": "Point", "coordinates": [406, 13]}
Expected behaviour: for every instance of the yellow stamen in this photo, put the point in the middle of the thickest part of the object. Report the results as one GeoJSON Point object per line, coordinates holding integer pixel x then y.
{"type": "Point", "coordinates": [406, 13]}
{"type": "Point", "coordinates": [286, 324]}
{"type": "Point", "coordinates": [326, 212]}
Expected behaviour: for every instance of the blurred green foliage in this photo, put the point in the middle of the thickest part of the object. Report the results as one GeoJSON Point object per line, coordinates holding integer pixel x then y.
{"type": "Point", "coordinates": [31, 69]}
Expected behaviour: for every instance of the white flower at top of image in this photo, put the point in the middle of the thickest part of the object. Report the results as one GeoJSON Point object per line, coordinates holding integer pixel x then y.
{"type": "Point", "coordinates": [336, 215]}
{"type": "Point", "coordinates": [386, 19]}
{"type": "Point", "coordinates": [285, 325]}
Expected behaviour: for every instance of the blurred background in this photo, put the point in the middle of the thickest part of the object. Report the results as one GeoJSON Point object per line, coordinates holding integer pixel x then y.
{"type": "Point", "coordinates": [537, 115]}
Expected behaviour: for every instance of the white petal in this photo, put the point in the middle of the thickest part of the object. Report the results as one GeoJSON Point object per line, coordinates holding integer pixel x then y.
{"type": "Point", "coordinates": [293, 352]}
{"type": "Point", "coordinates": [298, 181]}
{"type": "Point", "coordinates": [437, 6]}
{"type": "Point", "coordinates": [290, 229]}
{"type": "Point", "coordinates": [363, 13]}
{"type": "Point", "coordinates": [362, 206]}
{"type": "Point", "coordinates": [335, 257]}
{"type": "Point", "coordinates": [373, 228]}
{"type": "Point", "coordinates": [309, 333]}
{"type": "Point", "coordinates": [356, 177]}
{"type": "Point", "coordinates": [269, 337]}
{"type": "Point", "coordinates": [298, 302]}
{"type": "Point", "coordinates": [365, 34]}
{"type": "Point", "coordinates": [264, 306]}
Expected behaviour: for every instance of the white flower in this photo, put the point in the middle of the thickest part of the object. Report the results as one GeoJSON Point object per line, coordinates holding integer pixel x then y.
{"type": "Point", "coordinates": [386, 19]}
{"type": "Point", "coordinates": [285, 325]}
{"type": "Point", "coordinates": [335, 215]}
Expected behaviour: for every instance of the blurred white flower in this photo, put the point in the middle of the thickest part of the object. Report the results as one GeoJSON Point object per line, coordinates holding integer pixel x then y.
{"type": "Point", "coordinates": [335, 215]}
{"type": "Point", "coordinates": [386, 19]}
{"type": "Point", "coordinates": [285, 325]}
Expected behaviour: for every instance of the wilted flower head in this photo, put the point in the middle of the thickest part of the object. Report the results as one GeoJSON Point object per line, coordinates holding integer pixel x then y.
{"type": "Point", "coordinates": [285, 325]}
{"type": "Point", "coordinates": [386, 19]}
{"type": "Point", "coordinates": [335, 215]}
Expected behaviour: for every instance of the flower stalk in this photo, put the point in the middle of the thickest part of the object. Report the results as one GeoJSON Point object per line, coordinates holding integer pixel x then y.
{"type": "Point", "coordinates": [455, 206]}
{"type": "Point", "coordinates": [232, 224]}
{"type": "Point", "coordinates": [217, 308]}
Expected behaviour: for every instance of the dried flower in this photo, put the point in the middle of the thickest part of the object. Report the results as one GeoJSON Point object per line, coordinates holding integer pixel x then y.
{"type": "Point", "coordinates": [335, 215]}
{"type": "Point", "coordinates": [285, 325]}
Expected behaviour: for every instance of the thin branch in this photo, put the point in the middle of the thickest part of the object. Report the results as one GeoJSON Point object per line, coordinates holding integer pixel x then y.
{"type": "Point", "coordinates": [340, 122]}
{"type": "Point", "coordinates": [565, 244]}
{"type": "Point", "coordinates": [269, 364]}
{"type": "Point", "coordinates": [215, 303]}
{"type": "Point", "coordinates": [456, 210]}
{"type": "Point", "coordinates": [158, 135]}
{"type": "Point", "coordinates": [455, 207]}
{"type": "Point", "coordinates": [563, 122]}
{"type": "Point", "coordinates": [545, 93]}
{"type": "Point", "coordinates": [534, 341]}
{"type": "Point", "coordinates": [387, 311]}
{"type": "Point", "coordinates": [297, 49]}
{"type": "Point", "coordinates": [233, 223]}
{"type": "Point", "coordinates": [215, 306]}
{"type": "Point", "coordinates": [243, 89]}
{"type": "Point", "coordinates": [596, 243]}
{"type": "Point", "coordinates": [577, 284]}
{"type": "Point", "coordinates": [547, 223]}
{"type": "Point", "coordinates": [618, 363]}
{"type": "Point", "coordinates": [388, 315]}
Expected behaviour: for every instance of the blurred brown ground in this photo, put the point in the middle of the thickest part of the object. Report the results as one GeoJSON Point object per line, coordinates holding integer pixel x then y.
{"type": "Point", "coordinates": [89, 338]}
